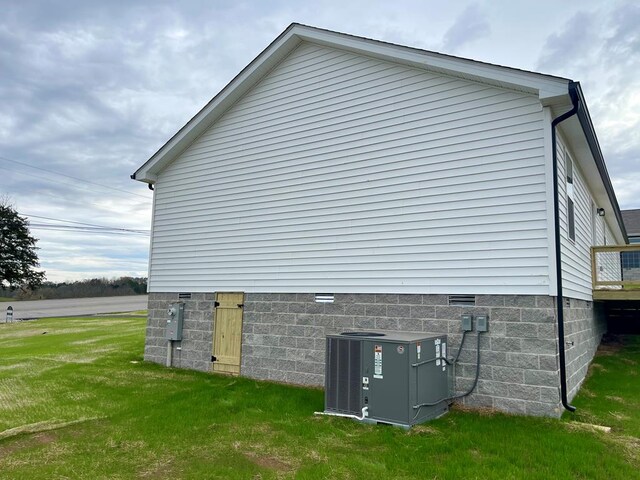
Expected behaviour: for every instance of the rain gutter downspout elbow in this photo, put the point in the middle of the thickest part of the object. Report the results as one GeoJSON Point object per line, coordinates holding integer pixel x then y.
{"type": "Point", "coordinates": [573, 93]}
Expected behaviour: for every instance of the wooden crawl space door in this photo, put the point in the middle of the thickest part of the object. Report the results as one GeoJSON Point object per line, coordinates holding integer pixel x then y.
{"type": "Point", "coordinates": [227, 332]}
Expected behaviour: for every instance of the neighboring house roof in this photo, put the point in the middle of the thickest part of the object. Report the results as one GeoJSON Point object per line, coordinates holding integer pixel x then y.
{"type": "Point", "coordinates": [552, 91]}
{"type": "Point", "coordinates": [632, 221]}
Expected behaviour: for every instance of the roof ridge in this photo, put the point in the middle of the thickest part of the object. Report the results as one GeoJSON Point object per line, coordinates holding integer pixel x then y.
{"type": "Point", "coordinates": [423, 50]}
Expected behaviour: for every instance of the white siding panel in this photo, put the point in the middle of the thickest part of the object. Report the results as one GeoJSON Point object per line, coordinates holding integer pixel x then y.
{"type": "Point", "coordinates": [576, 255]}
{"type": "Point", "coordinates": [610, 238]}
{"type": "Point", "coordinates": [342, 173]}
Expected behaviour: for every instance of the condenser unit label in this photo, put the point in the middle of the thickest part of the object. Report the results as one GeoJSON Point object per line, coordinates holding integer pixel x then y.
{"type": "Point", "coordinates": [419, 345]}
{"type": "Point", "coordinates": [437, 343]}
{"type": "Point", "coordinates": [377, 361]}
{"type": "Point", "coordinates": [444, 355]}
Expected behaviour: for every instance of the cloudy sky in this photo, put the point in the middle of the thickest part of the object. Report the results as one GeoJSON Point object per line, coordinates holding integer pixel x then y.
{"type": "Point", "coordinates": [89, 90]}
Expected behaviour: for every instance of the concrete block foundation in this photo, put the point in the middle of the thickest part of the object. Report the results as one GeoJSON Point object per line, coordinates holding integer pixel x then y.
{"type": "Point", "coordinates": [284, 339]}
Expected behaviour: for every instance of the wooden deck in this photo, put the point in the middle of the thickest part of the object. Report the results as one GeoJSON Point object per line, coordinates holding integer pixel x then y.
{"type": "Point", "coordinates": [615, 272]}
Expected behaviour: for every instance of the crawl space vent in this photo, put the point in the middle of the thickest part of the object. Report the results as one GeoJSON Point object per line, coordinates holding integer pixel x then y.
{"type": "Point", "coordinates": [184, 296]}
{"type": "Point", "coordinates": [462, 300]}
{"type": "Point", "coordinates": [324, 297]}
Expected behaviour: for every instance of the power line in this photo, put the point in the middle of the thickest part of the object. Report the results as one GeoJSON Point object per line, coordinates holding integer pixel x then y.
{"type": "Point", "coordinates": [71, 177]}
{"type": "Point", "coordinates": [58, 197]}
{"type": "Point", "coordinates": [71, 225]}
{"type": "Point", "coordinates": [88, 229]}
{"type": "Point", "coordinates": [78, 229]}
{"type": "Point", "coordinates": [83, 223]}
{"type": "Point", "coordinates": [80, 187]}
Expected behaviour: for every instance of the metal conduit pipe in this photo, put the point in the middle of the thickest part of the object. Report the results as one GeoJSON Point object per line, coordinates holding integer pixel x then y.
{"type": "Point", "coordinates": [560, 299]}
{"type": "Point", "coordinates": [169, 353]}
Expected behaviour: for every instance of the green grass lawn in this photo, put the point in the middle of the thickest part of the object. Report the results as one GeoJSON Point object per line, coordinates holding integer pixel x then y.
{"type": "Point", "coordinates": [77, 401]}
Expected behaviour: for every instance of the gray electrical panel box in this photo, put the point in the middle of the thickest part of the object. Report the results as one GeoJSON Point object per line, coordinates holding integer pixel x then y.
{"type": "Point", "coordinates": [175, 318]}
{"type": "Point", "coordinates": [481, 323]}
{"type": "Point", "coordinates": [467, 322]}
{"type": "Point", "coordinates": [400, 377]}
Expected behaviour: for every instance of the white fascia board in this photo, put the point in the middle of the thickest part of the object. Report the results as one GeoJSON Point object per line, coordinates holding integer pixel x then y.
{"type": "Point", "coordinates": [548, 88]}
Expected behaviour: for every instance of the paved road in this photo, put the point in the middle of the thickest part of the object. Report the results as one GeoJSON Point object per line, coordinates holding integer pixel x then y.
{"type": "Point", "coordinates": [68, 307]}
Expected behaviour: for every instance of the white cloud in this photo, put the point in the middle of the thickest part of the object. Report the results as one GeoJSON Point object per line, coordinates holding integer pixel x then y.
{"type": "Point", "coordinates": [601, 48]}
{"type": "Point", "coordinates": [469, 26]}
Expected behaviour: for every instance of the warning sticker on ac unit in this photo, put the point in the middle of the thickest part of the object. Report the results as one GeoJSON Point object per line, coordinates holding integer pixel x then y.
{"type": "Point", "coordinates": [437, 343]}
{"type": "Point", "coordinates": [377, 361]}
{"type": "Point", "coordinates": [444, 355]}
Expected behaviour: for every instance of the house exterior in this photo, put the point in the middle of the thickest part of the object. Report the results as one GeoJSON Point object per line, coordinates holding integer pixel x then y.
{"type": "Point", "coordinates": [632, 224]}
{"type": "Point", "coordinates": [342, 183]}
{"type": "Point", "coordinates": [631, 259]}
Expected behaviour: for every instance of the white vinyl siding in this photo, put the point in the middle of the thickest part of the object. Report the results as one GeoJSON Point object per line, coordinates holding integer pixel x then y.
{"type": "Point", "coordinates": [576, 254]}
{"type": "Point", "coordinates": [600, 230]}
{"type": "Point", "coordinates": [569, 185]}
{"type": "Point", "coordinates": [342, 173]}
{"type": "Point", "coordinates": [610, 239]}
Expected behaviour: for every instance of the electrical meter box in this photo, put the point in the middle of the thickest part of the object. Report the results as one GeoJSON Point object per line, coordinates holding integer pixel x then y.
{"type": "Point", "coordinates": [401, 378]}
{"type": "Point", "coordinates": [175, 318]}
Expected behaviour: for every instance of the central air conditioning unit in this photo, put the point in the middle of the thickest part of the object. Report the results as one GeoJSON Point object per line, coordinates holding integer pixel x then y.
{"type": "Point", "coordinates": [395, 378]}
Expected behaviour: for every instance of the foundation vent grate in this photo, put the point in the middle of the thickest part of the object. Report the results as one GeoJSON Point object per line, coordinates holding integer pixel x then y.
{"type": "Point", "coordinates": [462, 300]}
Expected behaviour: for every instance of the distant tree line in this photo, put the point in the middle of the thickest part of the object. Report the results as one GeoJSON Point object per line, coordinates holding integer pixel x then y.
{"type": "Point", "coordinates": [95, 287]}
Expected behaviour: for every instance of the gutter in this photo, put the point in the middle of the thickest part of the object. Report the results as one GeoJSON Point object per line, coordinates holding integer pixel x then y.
{"type": "Point", "coordinates": [150, 185]}
{"type": "Point", "coordinates": [575, 100]}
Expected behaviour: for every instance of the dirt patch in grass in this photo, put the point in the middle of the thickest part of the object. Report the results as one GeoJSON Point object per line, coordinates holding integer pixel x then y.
{"type": "Point", "coordinates": [630, 446]}
{"type": "Point", "coordinates": [613, 398]}
{"type": "Point", "coordinates": [423, 430]}
{"type": "Point", "coordinates": [43, 438]}
{"type": "Point", "coordinates": [621, 417]}
{"type": "Point", "coordinates": [597, 366]}
{"type": "Point", "coordinates": [483, 411]}
{"type": "Point", "coordinates": [271, 463]}
{"type": "Point", "coordinates": [160, 468]}
{"type": "Point", "coordinates": [475, 453]}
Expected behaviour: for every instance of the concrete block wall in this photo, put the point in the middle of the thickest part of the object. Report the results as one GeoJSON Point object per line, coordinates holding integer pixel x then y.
{"type": "Point", "coordinates": [584, 326]}
{"type": "Point", "coordinates": [284, 339]}
{"type": "Point", "coordinates": [194, 351]}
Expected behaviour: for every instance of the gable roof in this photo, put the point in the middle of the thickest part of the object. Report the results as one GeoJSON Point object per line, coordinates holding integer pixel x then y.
{"type": "Point", "coordinates": [550, 89]}
{"type": "Point", "coordinates": [632, 221]}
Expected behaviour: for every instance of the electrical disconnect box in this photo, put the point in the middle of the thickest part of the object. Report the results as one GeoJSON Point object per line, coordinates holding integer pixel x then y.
{"type": "Point", "coordinates": [481, 323]}
{"type": "Point", "coordinates": [175, 318]}
{"type": "Point", "coordinates": [467, 322]}
{"type": "Point", "coordinates": [401, 378]}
